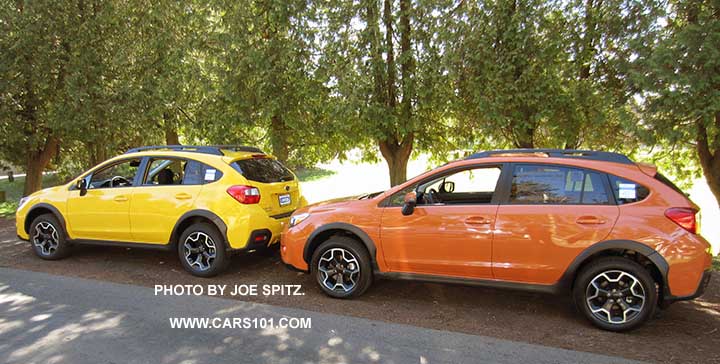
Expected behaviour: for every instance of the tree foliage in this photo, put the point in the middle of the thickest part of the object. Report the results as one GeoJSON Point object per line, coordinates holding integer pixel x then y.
{"type": "Point", "coordinates": [82, 80]}
{"type": "Point", "coordinates": [680, 79]}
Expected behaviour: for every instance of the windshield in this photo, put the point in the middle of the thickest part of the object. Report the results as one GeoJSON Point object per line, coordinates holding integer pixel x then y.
{"type": "Point", "coordinates": [264, 170]}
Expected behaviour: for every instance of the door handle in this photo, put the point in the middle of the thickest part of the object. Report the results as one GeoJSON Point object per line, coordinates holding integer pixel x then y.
{"type": "Point", "coordinates": [183, 196]}
{"type": "Point", "coordinates": [120, 198]}
{"type": "Point", "coordinates": [477, 220]}
{"type": "Point", "coordinates": [590, 220]}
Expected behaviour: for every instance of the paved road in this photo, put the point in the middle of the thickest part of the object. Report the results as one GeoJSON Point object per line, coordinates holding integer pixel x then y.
{"type": "Point", "coordinates": [54, 319]}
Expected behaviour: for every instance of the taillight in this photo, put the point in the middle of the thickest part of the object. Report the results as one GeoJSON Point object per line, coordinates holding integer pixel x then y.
{"type": "Point", "coordinates": [245, 194]}
{"type": "Point", "coordinates": [684, 217]}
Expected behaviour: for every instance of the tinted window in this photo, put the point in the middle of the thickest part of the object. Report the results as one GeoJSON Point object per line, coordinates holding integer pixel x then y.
{"type": "Point", "coordinates": [627, 191]}
{"type": "Point", "coordinates": [197, 173]}
{"type": "Point", "coordinates": [264, 170]}
{"type": "Point", "coordinates": [119, 174]}
{"type": "Point", "coordinates": [165, 172]}
{"type": "Point", "coordinates": [668, 183]}
{"type": "Point", "coordinates": [175, 171]}
{"type": "Point", "coordinates": [546, 184]}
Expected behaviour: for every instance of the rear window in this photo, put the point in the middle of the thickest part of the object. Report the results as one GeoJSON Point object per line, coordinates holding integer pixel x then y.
{"type": "Point", "coordinates": [264, 170]}
{"type": "Point", "coordinates": [668, 183]}
{"type": "Point", "coordinates": [627, 191]}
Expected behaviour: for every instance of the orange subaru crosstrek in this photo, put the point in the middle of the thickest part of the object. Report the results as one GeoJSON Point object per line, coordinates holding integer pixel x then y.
{"type": "Point", "coordinates": [617, 235]}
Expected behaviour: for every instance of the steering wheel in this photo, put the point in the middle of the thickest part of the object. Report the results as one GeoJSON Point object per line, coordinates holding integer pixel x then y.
{"type": "Point", "coordinates": [118, 181]}
{"type": "Point", "coordinates": [432, 196]}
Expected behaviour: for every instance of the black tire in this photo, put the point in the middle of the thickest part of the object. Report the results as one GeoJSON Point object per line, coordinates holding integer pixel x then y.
{"type": "Point", "coordinates": [352, 249]}
{"type": "Point", "coordinates": [621, 297]}
{"type": "Point", "coordinates": [47, 238]}
{"type": "Point", "coordinates": [194, 236]}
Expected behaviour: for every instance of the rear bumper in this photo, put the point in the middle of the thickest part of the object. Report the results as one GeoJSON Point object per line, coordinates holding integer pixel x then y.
{"type": "Point", "coordinates": [704, 282]}
{"type": "Point", "coordinates": [242, 229]}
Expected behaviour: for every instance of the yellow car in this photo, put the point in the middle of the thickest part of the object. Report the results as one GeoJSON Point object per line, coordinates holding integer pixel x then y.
{"type": "Point", "coordinates": [203, 201]}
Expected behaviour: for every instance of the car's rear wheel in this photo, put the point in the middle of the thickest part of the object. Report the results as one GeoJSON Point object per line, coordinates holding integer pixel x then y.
{"type": "Point", "coordinates": [341, 267]}
{"type": "Point", "coordinates": [48, 238]}
{"type": "Point", "coordinates": [201, 250]}
{"type": "Point", "coordinates": [615, 293]}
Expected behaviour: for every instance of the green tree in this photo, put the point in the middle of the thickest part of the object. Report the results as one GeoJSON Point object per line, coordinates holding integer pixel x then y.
{"type": "Point", "coordinates": [680, 78]}
{"type": "Point", "coordinates": [387, 79]}
{"type": "Point", "coordinates": [261, 60]}
{"type": "Point", "coordinates": [33, 70]}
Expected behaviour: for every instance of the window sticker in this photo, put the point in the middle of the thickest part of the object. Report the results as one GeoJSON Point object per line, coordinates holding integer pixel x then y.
{"type": "Point", "coordinates": [627, 191]}
{"type": "Point", "coordinates": [210, 174]}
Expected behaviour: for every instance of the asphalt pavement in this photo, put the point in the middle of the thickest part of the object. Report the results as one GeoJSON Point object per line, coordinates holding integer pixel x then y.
{"type": "Point", "coordinates": [56, 319]}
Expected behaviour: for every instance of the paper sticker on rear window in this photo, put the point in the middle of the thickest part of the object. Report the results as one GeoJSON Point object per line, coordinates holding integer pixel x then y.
{"type": "Point", "coordinates": [627, 191]}
{"type": "Point", "coordinates": [210, 174]}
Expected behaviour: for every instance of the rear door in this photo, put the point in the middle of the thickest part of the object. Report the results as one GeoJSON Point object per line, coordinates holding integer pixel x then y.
{"type": "Point", "coordinates": [169, 188]}
{"type": "Point", "coordinates": [279, 189]}
{"type": "Point", "coordinates": [552, 214]}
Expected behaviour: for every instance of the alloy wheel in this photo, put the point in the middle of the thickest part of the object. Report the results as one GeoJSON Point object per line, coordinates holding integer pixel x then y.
{"type": "Point", "coordinates": [615, 297]}
{"type": "Point", "coordinates": [200, 251]}
{"type": "Point", "coordinates": [46, 238]}
{"type": "Point", "coordinates": [338, 270]}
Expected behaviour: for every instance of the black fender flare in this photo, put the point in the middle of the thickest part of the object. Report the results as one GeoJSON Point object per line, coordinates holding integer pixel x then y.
{"type": "Point", "coordinates": [651, 254]}
{"type": "Point", "coordinates": [215, 219]}
{"type": "Point", "coordinates": [52, 210]}
{"type": "Point", "coordinates": [360, 233]}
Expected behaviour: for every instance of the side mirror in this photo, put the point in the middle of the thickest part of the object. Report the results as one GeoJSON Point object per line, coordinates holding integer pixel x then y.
{"type": "Point", "coordinates": [448, 187]}
{"type": "Point", "coordinates": [410, 203]}
{"type": "Point", "coordinates": [82, 186]}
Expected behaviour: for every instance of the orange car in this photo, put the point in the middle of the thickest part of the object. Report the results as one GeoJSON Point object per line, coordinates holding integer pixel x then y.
{"type": "Point", "coordinates": [616, 234]}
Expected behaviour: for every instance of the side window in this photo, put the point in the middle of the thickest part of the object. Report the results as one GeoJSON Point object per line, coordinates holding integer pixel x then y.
{"type": "Point", "coordinates": [197, 173]}
{"type": "Point", "coordinates": [627, 191]}
{"type": "Point", "coordinates": [548, 184]}
{"type": "Point", "coordinates": [165, 171]}
{"type": "Point", "coordinates": [470, 186]}
{"type": "Point", "coordinates": [121, 174]}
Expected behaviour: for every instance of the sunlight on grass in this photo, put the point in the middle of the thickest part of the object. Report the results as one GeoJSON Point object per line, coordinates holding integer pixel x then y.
{"type": "Point", "coordinates": [313, 174]}
{"type": "Point", "coordinates": [13, 192]}
{"type": "Point", "coordinates": [7, 209]}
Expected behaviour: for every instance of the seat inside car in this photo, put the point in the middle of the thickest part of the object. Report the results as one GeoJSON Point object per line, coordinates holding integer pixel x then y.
{"type": "Point", "coordinates": [166, 177]}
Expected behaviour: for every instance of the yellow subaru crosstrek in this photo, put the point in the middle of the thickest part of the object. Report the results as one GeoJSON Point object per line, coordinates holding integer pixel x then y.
{"type": "Point", "coordinates": [205, 202]}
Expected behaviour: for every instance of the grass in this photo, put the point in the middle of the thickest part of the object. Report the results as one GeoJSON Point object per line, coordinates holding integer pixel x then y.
{"type": "Point", "coordinates": [716, 263]}
{"type": "Point", "coordinates": [13, 192]}
{"type": "Point", "coordinates": [313, 174]}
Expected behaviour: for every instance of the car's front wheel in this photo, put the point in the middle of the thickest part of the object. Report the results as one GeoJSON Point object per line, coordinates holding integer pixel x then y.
{"type": "Point", "coordinates": [615, 293]}
{"type": "Point", "coordinates": [48, 238]}
{"type": "Point", "coordinates": [341, 267]}
{"type": "Point", "coordinates": [201, 249]}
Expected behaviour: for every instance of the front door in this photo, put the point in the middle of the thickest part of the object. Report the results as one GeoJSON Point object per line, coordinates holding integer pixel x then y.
{"type": "Point", "coordinates": [102, 214]}
{"type": "Point", "coordinates": [450, 232]}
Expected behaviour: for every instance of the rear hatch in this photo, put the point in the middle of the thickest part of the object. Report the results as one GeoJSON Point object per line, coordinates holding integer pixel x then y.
{"type": "Point", "coordinates": [279, 188]}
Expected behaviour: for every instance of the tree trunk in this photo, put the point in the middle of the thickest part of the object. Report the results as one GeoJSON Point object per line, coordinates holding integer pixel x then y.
{"type": "Point", "coordinates": [524, 137]}
{"type": "Point", "coordinates": [171, 133]}
{"type": "Point", "coordinates": [397, 156]}
{"type": "Point", "coordinates": [97, 153]}
{"type": "Point", "coordinates": [278, 139]}
{"type": "Point", "coordinates": [709, 156]}
{"type": "Point", "coordinates": [36, 163]}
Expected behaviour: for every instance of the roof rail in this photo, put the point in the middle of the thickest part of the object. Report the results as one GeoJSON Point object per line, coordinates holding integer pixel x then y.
{"type": "Point", "coordinates": [209, 149]}
{"type": "Point", "coordinates": [560, 153]}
